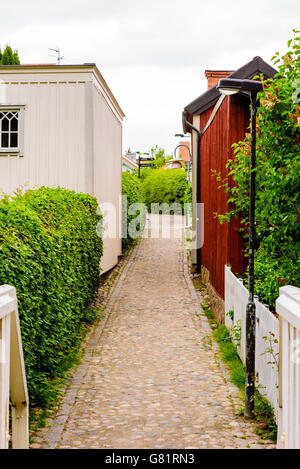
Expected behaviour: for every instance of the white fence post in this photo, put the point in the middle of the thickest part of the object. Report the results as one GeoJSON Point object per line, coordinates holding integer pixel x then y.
{"type": "Point", "coordinates": [12, 373]}
{"type": "Point", "coordinates": [288, 308]}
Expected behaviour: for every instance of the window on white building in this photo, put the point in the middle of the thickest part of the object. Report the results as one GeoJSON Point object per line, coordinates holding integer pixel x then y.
{"type": "Point", "coordinates": [11, 126]}
{"type": "Point", "coordinates": [9, 130]}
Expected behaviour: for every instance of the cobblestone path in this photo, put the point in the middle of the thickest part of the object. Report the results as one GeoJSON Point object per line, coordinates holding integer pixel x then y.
{"type": "Point", "coordinates": [151, 380]}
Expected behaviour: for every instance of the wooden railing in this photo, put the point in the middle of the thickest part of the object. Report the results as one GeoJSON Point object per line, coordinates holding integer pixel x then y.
{"type": "Point", "coordinates": [288, 308]}
{"type": "Point", "coordinates": [13, 385]}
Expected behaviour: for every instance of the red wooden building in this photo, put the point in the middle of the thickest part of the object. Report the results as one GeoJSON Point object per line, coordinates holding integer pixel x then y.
{"type": "Point", "coordinates": [223, 244]}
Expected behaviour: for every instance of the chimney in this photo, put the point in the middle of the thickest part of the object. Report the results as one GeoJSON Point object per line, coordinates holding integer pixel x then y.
{"type": "Point", "coordinates": [213, 76]}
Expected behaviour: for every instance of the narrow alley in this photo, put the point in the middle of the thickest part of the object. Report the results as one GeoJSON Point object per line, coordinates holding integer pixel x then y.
{"type": "Point", "coordinates": [151, 378]}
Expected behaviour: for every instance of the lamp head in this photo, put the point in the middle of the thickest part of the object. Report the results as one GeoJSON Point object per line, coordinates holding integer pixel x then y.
{"type": "Point", "coordinates": [230, 86]}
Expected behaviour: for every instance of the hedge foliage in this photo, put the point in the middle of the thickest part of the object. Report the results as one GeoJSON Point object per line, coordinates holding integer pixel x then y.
{"type": "Point", "coordinates": [188, 194]}
{"type": "Point", "coordinates": [50, 251]}
{"type": "Point", "coordinates": [188, 198]}
{"type": "Point", "coordinates": [132, 188]}
{"type": "Point", "coordinates": [277, 178]}
{"type": "Point", "coordinates": [165, 186]}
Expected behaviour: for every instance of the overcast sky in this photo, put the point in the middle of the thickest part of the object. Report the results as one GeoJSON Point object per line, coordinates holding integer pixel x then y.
{"type": "Point", "coordinates": [152, 53]}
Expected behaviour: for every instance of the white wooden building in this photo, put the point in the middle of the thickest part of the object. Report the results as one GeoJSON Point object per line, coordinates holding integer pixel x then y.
{"type": "Point", "coordinates": [60, 125]}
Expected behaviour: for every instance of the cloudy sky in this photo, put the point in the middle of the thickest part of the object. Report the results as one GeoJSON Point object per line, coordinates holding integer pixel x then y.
{"type": "Point", "coordinates": [152, 53]}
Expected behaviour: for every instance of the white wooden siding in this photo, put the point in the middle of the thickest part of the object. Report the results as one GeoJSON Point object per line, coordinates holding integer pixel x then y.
{"type": "Point", "coordinates": [72, 135]}
{"type": "Point", "coordinates": [54, 137]}
{"type": "Point", "coordinates": [107, 168]}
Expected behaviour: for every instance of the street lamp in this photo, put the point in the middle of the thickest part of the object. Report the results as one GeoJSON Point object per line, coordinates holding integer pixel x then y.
{"type": "Point", "coordinates": [188, 163]}
{"type": "Point", "coordinates": [229, 86]}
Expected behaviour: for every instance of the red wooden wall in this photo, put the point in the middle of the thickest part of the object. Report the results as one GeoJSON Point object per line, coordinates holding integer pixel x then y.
{"type": "Point", "coordinates": [223, 244]}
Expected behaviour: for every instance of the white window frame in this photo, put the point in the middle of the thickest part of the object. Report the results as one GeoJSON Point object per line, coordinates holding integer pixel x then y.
{"type": "Point", "coordinates": [18, 151]}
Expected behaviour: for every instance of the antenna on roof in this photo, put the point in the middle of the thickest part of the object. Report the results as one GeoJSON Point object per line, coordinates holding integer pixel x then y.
{"type": "Point", "coordinates": [58, 56]}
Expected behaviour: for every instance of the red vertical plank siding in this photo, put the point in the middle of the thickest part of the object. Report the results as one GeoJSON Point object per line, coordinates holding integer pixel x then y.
{"type": "Point", "coordinates": [223, 243]}
{"type": "Point", "coordinates": [214, 155]}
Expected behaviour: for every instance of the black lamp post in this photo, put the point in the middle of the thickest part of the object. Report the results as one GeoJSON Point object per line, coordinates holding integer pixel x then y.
{"type": "Point", "coordinates": [230, 86]}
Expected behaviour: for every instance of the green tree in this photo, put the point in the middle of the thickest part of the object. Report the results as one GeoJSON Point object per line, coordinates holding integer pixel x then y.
{"type": "Point", "coordinates": [9, 57]}
{"type": "Point", "coordinates": [160, 156]}
{"type": "Point", "coordinates": [160, 160]}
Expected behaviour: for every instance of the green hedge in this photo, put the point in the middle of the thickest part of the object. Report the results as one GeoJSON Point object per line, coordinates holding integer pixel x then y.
{"type": "Point", "coordinates": [50, 251]}
{"type": "Point", "coordinates": [133, 189]}
{"type": "Point", "coordinates": [165, 186]}
{"type": "Point", "coordinates": [188, 194]}
{"type": "Point", "coordinates": [188, 198]}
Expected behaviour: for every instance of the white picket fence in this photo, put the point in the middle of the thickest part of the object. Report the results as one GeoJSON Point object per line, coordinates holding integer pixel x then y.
{"type": "Point", "coordinates": [12, 373]}
{"type": "Point", "coordinates": [288, 308]}
{"type": "Point", "coordinates": [267, 333]}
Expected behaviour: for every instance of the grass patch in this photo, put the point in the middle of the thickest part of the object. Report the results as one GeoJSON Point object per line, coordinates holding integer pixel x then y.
{"type": "Point", "coordinates": [265, 416]}
{"type": "Point", "coordinates": [263, 411]}
{"type": "Point", "coordinates": [198, 285]}
{"type": "Point", "coordinates": [208, 313]}
{"type": "Point", "coordinates": [38, 418]}
{"type": "Point", "coordinates": [230, 356]}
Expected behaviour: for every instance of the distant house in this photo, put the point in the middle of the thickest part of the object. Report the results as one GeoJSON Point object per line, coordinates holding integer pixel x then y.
{"type": "Point", "coordinates": [223, 244]}
{"type": "Point", "coordinates": [175, 163]}
{"type": "Point", "coordinates": [60, 125]}
{"type": "Point", "coordinates": [183, 151]}
{"type": "Point", "coordinates": [129, 162]}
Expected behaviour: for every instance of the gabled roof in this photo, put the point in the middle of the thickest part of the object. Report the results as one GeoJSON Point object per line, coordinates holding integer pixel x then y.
{"type": "Point", "coordinates": [129, 162]}
{"type": "Point", "coordinates": [247, 71]}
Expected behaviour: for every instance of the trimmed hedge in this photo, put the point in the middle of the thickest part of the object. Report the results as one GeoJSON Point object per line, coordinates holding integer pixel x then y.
{"type": "Point", "coordinates": [165, 186]}
{"type": "Point", "coordinates": [188, 194]}
{"type": "Point", "coordinates": [188, 198]}
{"type": "Point", "coordinates": [133, 189]}
{"type": "Point", "coordinates": [50, 251]}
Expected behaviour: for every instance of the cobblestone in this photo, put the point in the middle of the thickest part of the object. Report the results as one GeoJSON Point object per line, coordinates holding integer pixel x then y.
{"type": "Point", "coordinates": [150, 380]}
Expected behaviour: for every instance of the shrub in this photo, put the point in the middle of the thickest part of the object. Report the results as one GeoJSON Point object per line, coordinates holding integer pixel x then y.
{"type": "Point", "coordinates": [165, 186]}
{"type": "Point", "coordinates": [277, 179]}
{"type": "Point", "coordinates": [160, 156]}
{"type": "Point", "coordinates": [131, 188]}
{"type": "Point", "coordinates": [50, 251]}
{"type": "Point", "coordinates": [188, 194]}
